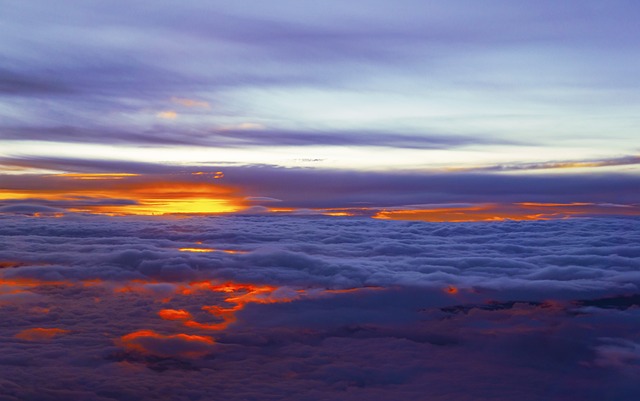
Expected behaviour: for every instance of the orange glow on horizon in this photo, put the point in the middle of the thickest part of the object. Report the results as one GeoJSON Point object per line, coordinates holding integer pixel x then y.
{"type": "Point", "coordinates": [122, 194]}
{"type": "Point", "coordinates": [97, 176]}
{"type": "Point", "coordinates": [503, 212]}
{"type": "Point", "coordinates": [337, 214]}
{"type": "Point", "coordinates": [456, 214]}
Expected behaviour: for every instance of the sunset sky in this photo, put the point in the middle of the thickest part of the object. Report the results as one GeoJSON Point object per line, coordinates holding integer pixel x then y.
{"type": "Point", "coordinates": [360, 104]}
{"type": "Point", "coordinates": [313, 200]}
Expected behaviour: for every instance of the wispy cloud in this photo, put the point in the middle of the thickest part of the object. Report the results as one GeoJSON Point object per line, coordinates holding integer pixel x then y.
{"type": "Point", "coordinates": [244, 135]}
{"type": "Point", "coordinates": [550, 165]}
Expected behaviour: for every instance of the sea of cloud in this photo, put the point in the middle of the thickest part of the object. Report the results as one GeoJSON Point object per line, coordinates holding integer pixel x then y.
{"type": "Point", "coordinates": [317, 308]}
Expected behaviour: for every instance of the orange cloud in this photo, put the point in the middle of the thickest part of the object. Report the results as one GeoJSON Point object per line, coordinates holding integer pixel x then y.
{"type": "Point", "coordinates": [40, 334]}
{"type": "Point", "coordinates": [501, 212]}
{"type": "Point", "coordinates": [177, 345]}
{"type": "Point", "coordinates": [31, 282]}
{"type": "Point", "coordinates": [174, 314]}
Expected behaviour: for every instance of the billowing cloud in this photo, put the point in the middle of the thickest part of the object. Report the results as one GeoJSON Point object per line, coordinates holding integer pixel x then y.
{"type": "Point", "coordinates": [340, 308]}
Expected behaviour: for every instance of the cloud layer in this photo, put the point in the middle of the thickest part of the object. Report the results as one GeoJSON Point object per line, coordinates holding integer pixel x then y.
{"type": "Point", "coordinates": [104, 308]}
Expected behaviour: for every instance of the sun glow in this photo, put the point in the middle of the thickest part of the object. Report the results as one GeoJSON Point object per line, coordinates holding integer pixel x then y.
{"type": "Point", "coordinates": [122, 194]}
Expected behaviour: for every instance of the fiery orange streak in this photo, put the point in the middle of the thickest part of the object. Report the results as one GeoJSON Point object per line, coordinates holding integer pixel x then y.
{"type": "Point", "coordinates": [174, 314]}
{"type": "Point", "coordinates": [138, 341]}
{"type": "Point", "coordinates": [31, 282]}
{"type": "Point", "coordinates": [237, 295]}
{"type": "Point", "coordinates": [500, 212]}
{"type": "Point", "coordinates": [151, 333]}
{"type": "Point", "coordinates": [254, 294]}
{"type": "Point", "coordinates": [461, 214]}
{"type": "Point", "coordinates": [202, 250]}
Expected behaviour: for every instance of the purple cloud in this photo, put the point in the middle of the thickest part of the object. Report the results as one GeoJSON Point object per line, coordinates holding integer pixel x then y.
{"type": "Point", "coordinates": [525, 294]}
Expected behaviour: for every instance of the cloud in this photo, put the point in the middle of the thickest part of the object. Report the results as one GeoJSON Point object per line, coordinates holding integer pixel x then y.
{"type": "Point", "coordinates": [183, 345]}
{"type": "Point", "coordinates": [15, 84]}
{"type": "Point", "coordinates": [312, 188]}
{"type": "Point", "coordinates": [339, 308]}
{"type": "Point", "coordinates": [616, 161]}
{"type": "Point", "coordinates": [40, 334]}
{"type": "Point", "coordinates": [29, 209]}
{"type": "Point", "coordinates": [243, 136]}
{"type": "Point", "coordinates": [618, 353]}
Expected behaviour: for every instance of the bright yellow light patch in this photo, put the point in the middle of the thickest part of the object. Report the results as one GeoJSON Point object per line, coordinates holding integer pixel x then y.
{"type": "Point", "coordinates": [202, 250]}
{"type": "Point", "coordinates": [120, 194]}
{"type": "Point", "coordinates": [207, 250]}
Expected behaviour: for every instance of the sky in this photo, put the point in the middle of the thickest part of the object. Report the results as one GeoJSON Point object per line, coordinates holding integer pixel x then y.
{"type": "Point", "coordinates": [335, 200]}
{"type": "Point", "coordinates": [390, 97]}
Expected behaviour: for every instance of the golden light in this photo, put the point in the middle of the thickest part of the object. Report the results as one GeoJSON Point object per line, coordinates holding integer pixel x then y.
{"type": "Point", "coordinates": [208, 250]}
{"type": "Point", "coordinates": [97, 176]}
{"type": "Point", "coordinates": [174, 314]}
{"type": "Point", "coordinates": [122, 194]}
{"type": "Point", "coordinates": [197, 250]}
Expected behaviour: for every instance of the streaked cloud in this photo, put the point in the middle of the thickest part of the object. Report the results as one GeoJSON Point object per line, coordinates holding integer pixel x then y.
{"type": "Point", "coordinates": [148, 188]}
{"type": "Point", "coordinates": [551, 165]}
